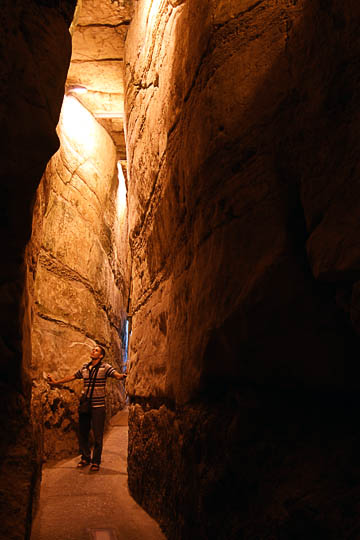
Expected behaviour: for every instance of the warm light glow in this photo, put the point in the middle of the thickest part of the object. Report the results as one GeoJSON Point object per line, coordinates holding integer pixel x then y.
{"type": "Point", "coordinates": [149, 12]}
{"type": "Point", "coordinates": [78, 124]}
{"type": "Point", "coordinates": [153, 6]}
{"type": "Point", "coordinates": [121, 193]}
{"type": "Point", "coordinates": [76, 89]}
{"type": "Point", "coordinates": [108, 114]}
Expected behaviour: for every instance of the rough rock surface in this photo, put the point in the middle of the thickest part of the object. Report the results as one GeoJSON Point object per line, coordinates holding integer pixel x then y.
{"type": "Point", "coordinates": [98, 60]}
{"type": "Point", "coordinates": [78, 272]}
{"type": "Point", "coordinates": [35, 52]}
{"type": "Point", "coordinates": [255, 464]}
{"type": "Point", "coordinates": [35, 48]}
{"type": "Point", "coordinates": [242, 140]}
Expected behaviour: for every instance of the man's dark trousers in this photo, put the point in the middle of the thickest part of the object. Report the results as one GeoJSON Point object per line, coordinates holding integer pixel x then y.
{"type": "Point", "coordinates": [96, 421]}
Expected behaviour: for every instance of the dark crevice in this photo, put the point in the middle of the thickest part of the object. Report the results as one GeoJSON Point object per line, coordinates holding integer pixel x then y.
{"type": "Point", "coordinates": [105, 25]}
{"type": "Point", "coordinates": [97, 60]}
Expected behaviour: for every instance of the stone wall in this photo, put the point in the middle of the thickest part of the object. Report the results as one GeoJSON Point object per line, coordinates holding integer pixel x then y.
{"type": "Point", "coordinates": [78, 272]}
{"type": "Point", "coordinates": [35, 50]}
{"type": "Point", "coordinates": [242, 155]}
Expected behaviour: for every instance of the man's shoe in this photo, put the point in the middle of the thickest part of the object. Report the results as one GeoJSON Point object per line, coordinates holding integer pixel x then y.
{"type": "Point", "coordinates": [94, 467]}
{"type": "Point", "coordinates": [83, 463]}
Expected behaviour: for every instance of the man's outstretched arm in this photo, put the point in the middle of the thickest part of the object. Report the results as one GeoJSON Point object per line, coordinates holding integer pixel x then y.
{"type": "Point", "coordinates": [52, 381]}
{"type": "Point", "coordinates": [119, 376]}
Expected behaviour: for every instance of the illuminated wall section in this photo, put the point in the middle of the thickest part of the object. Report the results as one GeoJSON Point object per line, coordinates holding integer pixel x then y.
{"type": "Point", "coordinates": [77, 270]}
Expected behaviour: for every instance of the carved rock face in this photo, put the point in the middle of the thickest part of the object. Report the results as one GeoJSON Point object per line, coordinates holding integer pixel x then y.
{"type": "Point", "coordinates": [78, 257]}
{"type": "Point", "coordinates": [80, 286]}
{"type": "Point", "coordinates": [35, 49]}
{"type": "Point", "coordinates": [34, 54]}
{"type": "Point", "coordinates": [235, 206]}
{"type": "Point", "coordinates": [242, 134]}
{"type": "Point", "coordinates": [98, 61]}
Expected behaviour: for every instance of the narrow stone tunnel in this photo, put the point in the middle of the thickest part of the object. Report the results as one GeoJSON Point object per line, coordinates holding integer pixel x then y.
{"type": "Point", "coordinates": [236, 255]}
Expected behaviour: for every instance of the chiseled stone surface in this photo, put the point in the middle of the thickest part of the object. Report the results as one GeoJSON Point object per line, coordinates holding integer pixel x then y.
{"type": "Point", "coordinates": [98, 76]}
{"type": "Point", "coordinates": [252, 465]}
{"type": "Point", "coordinates": [35, 50]}
{"type": "Point", "coordinates": [90, 43]}
{"type": "Point", "coordinates": [98, 61]}
{"type": "Point", "coordinates": [242, 140]}
{"type": "Point", "coordinates": [110, 13]}
{"type": "Point", "coordinates": [78, 272]}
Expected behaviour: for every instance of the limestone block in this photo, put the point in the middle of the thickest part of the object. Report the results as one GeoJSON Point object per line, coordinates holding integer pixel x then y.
{"type": "Point", "coordinates": [35, 50]}
{"type": "Point", "coordinates": [106, 12]}
{"type": "Point", "coordinates": [71, 302]}
{"type": "Point", "coordinates": [235, 125]}
{"type": "Point", "coordinates": [86, 143]}
{"type": "Point", "coordinates": [226, 10]}
{"type": "Point", "coordinates": [272, 449]}
{"type": "Point", "coordinates": [58, 348]}
{"type": "Point", "coordinates": [103, 102]}
{"type": "Point", "coordinates": [149, 349]}
{"type": "Point", "coordinates": [248, 201]}
{"type": "Point", "coordinates": [183, 191]}
{"type": "Point", "coordinates": [98, 43]}
{"type": "Point", "coordinates": [78, 285]}
{"type": "Point", "coordinates": [99, 76]}
{"type": "Point", "coordinates": [31, 85]}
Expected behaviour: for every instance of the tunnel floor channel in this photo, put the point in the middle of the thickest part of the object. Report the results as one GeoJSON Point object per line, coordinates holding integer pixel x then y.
{"type": "Point", "coordinates": [76, 504]}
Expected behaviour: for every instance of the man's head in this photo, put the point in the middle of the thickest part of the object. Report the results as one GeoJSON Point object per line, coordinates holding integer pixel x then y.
{"type": "Point", "coordinates": [97, 353]}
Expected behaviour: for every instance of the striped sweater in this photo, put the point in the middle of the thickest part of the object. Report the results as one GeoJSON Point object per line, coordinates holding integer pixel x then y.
{"type": "Point", "coordinates": [87, 373]}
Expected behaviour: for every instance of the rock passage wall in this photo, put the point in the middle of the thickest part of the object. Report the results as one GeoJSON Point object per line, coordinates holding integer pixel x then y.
{"type": "Point", "coordinates": [76, 287]}
{"type": "Point", "coordinates": [242, 142]}
{"type": "Point", "coordinates": [97, 62]}
{"type": "Point", "coordinates": [78, 272]}
{"type": "Point", "coordinates": [35, 50]}
{"type": "Point", "coordinates": [242, 138]}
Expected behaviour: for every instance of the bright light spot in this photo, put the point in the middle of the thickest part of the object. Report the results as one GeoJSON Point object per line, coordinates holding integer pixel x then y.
{"type": "Point", "coordinates": [78, 124]}
{"type": "Point", "coordinates": [154, 9]}
{"type": "Point", "coordinates": [149, 12]}
{"type": "Point", "coordinates": [121, 193]}
{"type": "Point", "coordinates": [76, 89]}
{"type": "Point", "coordinates": [102, 535]}
{"type": "Point", "coordinates": [108, 114]}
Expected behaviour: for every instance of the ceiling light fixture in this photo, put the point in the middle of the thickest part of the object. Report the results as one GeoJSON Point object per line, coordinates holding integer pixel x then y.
{"type": "Point", "coordinates": [76, 89]}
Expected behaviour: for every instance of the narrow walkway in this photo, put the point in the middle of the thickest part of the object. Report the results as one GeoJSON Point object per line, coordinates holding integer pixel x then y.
{"type": "Point", "coordinates": [79, 505]}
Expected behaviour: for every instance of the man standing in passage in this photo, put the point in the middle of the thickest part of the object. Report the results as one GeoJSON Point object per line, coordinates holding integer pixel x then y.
{"type": "Point", "coordinates": [96, 419]}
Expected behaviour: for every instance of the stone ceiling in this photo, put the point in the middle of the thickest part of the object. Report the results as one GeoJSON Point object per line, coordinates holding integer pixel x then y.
{"type": "Point", "coordinates": [97, 63]}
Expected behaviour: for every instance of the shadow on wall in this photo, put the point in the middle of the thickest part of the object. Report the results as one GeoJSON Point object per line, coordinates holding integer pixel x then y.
{"type": "Point", "coordinates": [268, 447]}
{"type": "Point", "coordinates": [290, 191]}
{"type": "Point", "coordinates": [35, 50]}
{"type": "Point", "coordinates": [286, 279]}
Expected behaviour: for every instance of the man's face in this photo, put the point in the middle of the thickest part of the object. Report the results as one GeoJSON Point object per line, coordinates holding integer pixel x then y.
{"type": "Point", "coordinates": [96, 353]}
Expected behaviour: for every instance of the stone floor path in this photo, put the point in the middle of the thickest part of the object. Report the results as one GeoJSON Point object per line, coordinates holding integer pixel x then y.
{"type": "Point", "coordinates": [80, 505]}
